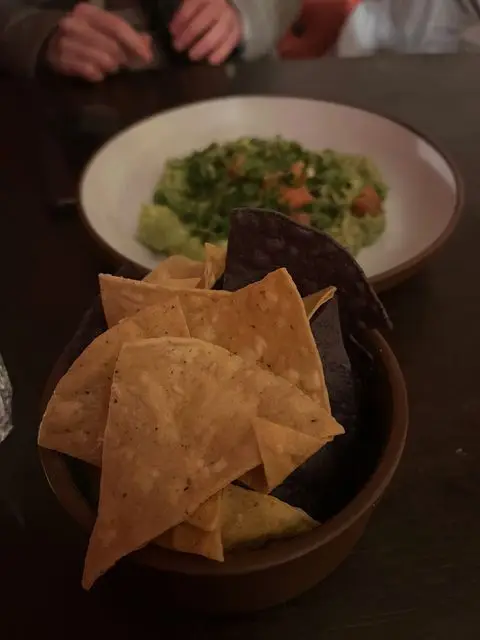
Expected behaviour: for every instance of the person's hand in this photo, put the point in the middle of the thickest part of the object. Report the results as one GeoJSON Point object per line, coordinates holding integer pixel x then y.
{"type": "Point", "coordinates": [91, 43]}
{"type": "Point", "coordinates": [207, 29]}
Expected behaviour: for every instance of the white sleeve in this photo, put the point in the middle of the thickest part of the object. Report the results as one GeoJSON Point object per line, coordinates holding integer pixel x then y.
{"type": "Point", "coordinates": [264, 23]}
{"type": "Point", "coordinates": [407, 26]}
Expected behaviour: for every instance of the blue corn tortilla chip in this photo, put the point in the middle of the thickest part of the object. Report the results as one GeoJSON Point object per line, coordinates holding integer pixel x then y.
{"type": "Point", "coordinates": [329, 480]}
{"type": "Point", "coordinates": [261, 241]}
{"type": "Point", "coordinates": [315, 486]}
{"type": "Point", "coordinates": [337, 368]}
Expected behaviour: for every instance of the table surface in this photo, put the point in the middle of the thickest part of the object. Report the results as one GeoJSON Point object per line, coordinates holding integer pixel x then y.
{"type": "Point", "coordinates": [416, 573]}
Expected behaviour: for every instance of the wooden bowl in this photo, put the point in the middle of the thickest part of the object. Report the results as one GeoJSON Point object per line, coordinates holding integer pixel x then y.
{"type": "Point", "coordinates": [255, 579]}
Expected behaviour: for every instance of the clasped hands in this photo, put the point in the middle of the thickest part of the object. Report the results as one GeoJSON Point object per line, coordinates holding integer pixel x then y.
{"type": "Point", "coordinates": [92, 43]}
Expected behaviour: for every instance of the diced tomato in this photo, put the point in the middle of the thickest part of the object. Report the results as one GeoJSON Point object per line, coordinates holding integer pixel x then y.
{"type": "Point", "coordinates": [298, 169]}
{"type": "Point", "coordinates": [301, 217]}
{"type": "Point", "coordinates": [236, 167]}
{"type": "Point", "coordinates": [368, 202]}
{"type": "Point", "coordinates": [296, 197]}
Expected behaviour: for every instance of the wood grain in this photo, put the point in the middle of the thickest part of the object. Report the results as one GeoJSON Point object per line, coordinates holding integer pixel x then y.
{"type": "Point", "coordinates": [416, 574]}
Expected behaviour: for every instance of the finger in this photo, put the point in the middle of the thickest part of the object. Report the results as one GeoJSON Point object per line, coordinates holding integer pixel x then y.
{"type": "Point", "coordinates": [200, 24]}
{"type": "Point", "coordinates": [115, 27]}
{"type": "Point", "coordinates": [212, 40]}
{"type": "Point", "coordinates": [70, 49]}
{"type": "Point", "coordinates": [184, 15]}
{"type": "Point", "coordinates": [81, 69]}
{"type": "Point", "coordinates": [81, 32]}
{"type": "Point", "coordinates": [147, 39]}
{"type": "Point", "coordinates": [224, 50]}
{"type": "Point", "coordinates": [134, 62]}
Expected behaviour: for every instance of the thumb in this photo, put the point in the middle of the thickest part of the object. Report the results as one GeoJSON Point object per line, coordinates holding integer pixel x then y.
{"type": "Point", "coordinates": [148, 41]}
{"type": "Point", "coordinates": [133, 61]}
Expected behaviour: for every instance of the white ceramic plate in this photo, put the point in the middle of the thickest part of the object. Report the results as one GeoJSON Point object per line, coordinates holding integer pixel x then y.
{"type": "Point", "coordinates": [422, 206]}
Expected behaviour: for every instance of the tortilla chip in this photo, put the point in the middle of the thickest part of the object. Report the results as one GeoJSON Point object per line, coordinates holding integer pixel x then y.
{"type": "Point", "coordinates": [122, 298]}
{"type": "Point", "coordinates": [193, 404]}
{"type": "Point", "coordinates": [313, 302]}
{"type": "Point", "coordinates": [182, 283]}
{"type": "Point", "coordinates": [207, 516]}
{"type": "Point", "coordinates": [265, 323]}
{"type": "Point", "coordinates": [175, 267]}
{"type": "Point", "coordinates": [261, 241]}
{"type": "Point", "coordinates": [75, 418]}
{"type": "Point", "coordinates": [338, 369]}
{"type": "Point", "coordinates": [282, 451]}
{"type": "Point", "coordinates": [165, 540]}
{"type": "Point", "coordinates": [189, 539]}
{"type": "Point", "coordinates": [214, 265]}
{"type": "Point", "coordinates": [324, 484]}
{"type": "Point", "coordinates": [250, 518]}
{"type": "Point", "coordinates": [200, 534]}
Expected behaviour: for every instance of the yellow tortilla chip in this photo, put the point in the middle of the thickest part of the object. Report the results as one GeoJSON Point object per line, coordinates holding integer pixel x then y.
{"type": "Point", "coordinates": [197, 309]}
{"type": "Point", "coordinates": [75, 418]}
{"type": "Point", "coordinates": [313, 302]}
{"type": "Point", "coordinates": [265, 323]}
{"type": "Point", "coordinates": [165, 540]}
{"type": "Point", "coordinates": [207, 516]}
{"type": "Point", "coordinates": [193, 404]}
{"type": "Point", "coordinates": [176, 267]}
{"type": "Point", "coordinates": [214, 265]}
{"type": "Point", "coordinates": [122, 298]}
{"type": "Point", "coordinates": [200, 534]}
{"type": "Point", "coordinates": [250, 518]}
{"type": "Point", "coordinates": [183, 283]}
{"type": "Point", "coordinates": [282, 451]}
{"type": "Point", "coordinates": [189, 539]}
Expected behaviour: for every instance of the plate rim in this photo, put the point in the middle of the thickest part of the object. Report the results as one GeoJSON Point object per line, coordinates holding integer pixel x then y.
{"type": "Point", "coordinates": [381, 282]}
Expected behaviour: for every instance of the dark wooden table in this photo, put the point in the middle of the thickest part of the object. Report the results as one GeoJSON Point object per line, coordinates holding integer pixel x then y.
{"type": "Point", "coordinates": [416, 573]}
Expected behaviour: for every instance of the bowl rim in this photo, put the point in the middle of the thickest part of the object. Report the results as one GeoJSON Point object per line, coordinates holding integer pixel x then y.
{"type": "Point", "coordinates": [382, 281]}
{"type": "Point", "coordinates": [278, 552]}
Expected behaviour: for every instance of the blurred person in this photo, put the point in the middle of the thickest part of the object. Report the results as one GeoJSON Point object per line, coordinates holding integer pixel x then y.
{"type": "Point", "coordinates": [94, 39]}
{"type": "Point", "coordinates": [365, 27]}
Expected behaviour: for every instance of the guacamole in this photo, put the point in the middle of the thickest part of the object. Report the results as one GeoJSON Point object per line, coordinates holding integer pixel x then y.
{"type": "Point", "coordinates": [342, 194]}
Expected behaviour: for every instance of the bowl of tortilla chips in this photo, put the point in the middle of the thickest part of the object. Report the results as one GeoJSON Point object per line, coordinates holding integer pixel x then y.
{"type": "Point", "coordinates": [230, 423]}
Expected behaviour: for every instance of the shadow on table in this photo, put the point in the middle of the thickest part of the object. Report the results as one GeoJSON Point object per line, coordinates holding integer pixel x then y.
{"type": "Point", "coordinates": [80, 117]}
